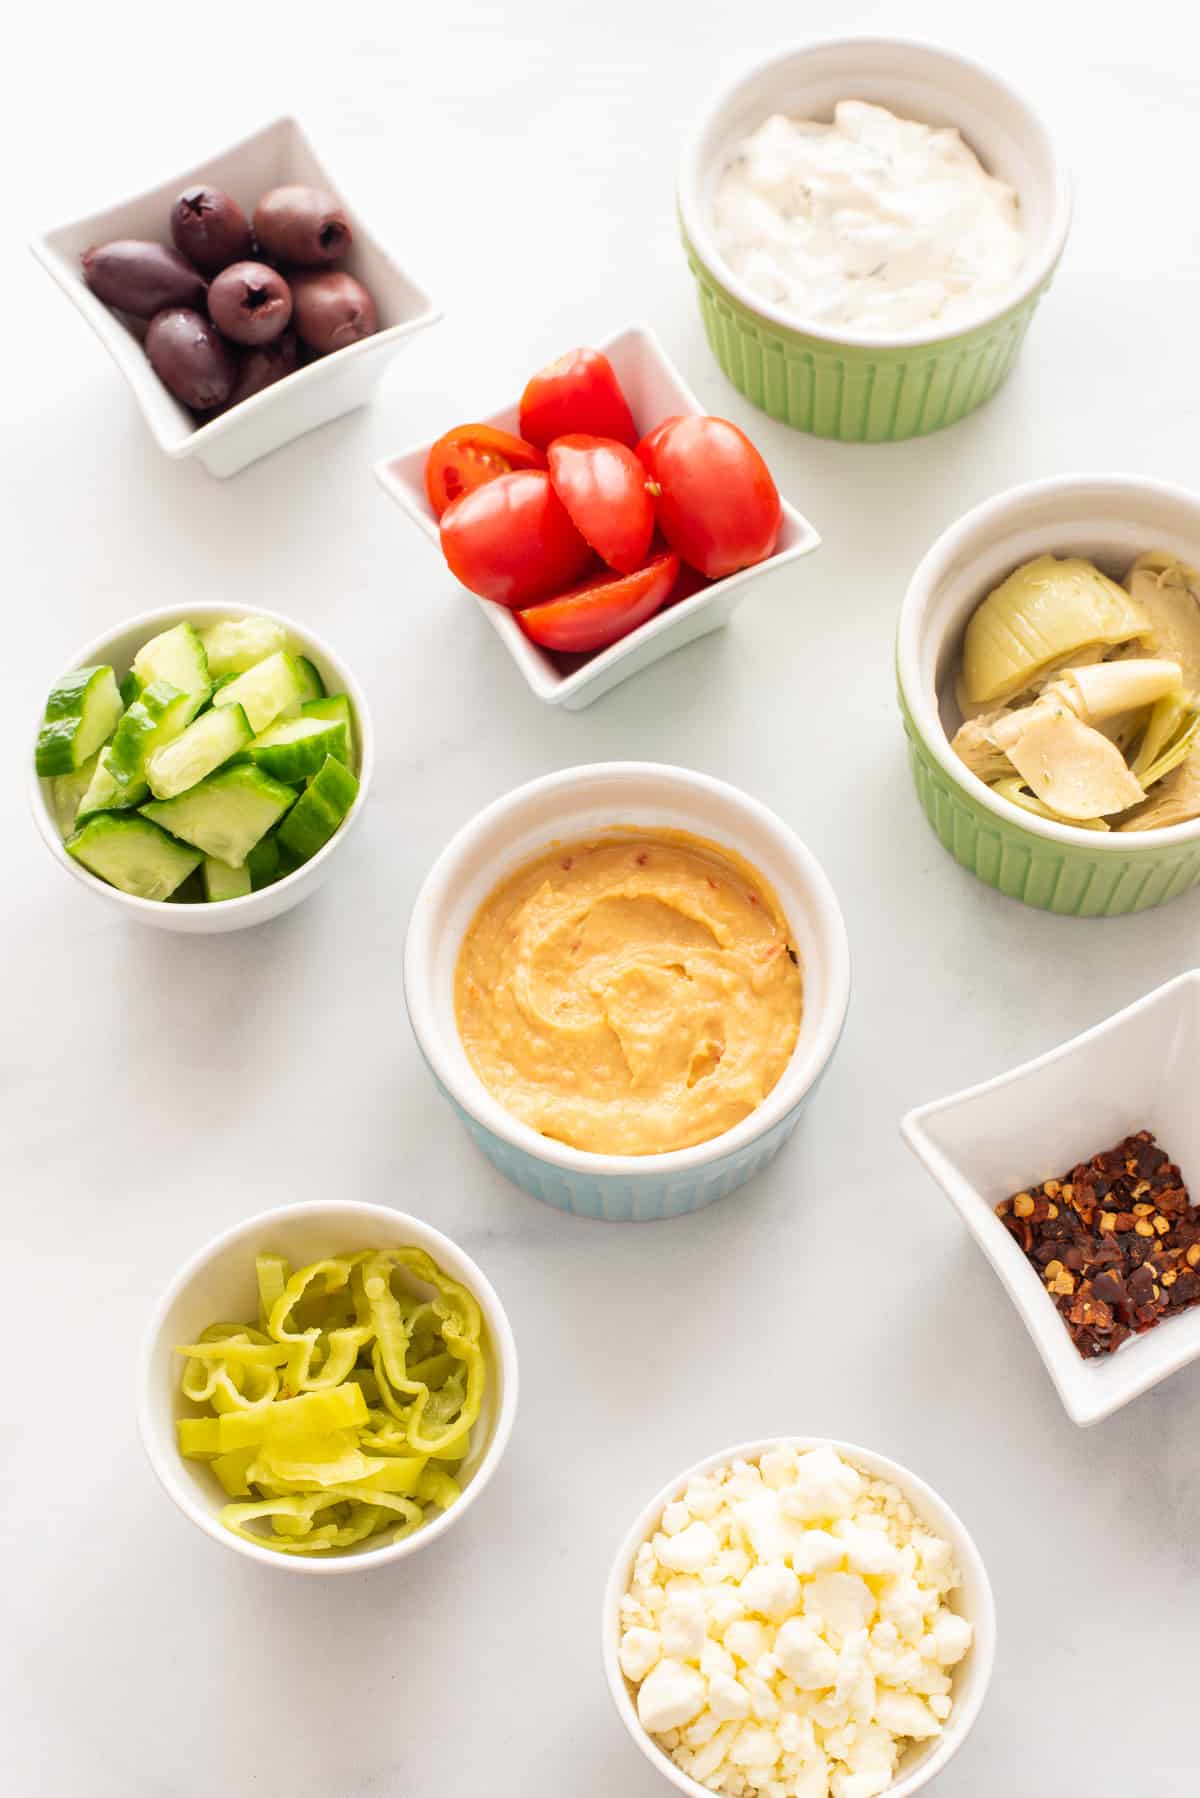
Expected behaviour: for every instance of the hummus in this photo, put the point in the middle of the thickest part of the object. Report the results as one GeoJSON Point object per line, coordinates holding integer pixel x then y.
{"type": "Point", "coordinates": [631, 994]}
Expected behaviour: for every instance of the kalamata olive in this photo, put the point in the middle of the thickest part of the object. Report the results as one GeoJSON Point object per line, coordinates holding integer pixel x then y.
{"type": "Point", "coordinates": [141, 277]}
{"type": "Point", "coordinates": [250, 302]}
{"type": "Point", "coordinates": [210, 229]}
{"type": "Point", "coordinates": [331, 309]}
{"type": "Point", "coordinates": [262, 367]}
{"type": "Point", "coordinates": [303, 225]}
{"type": "Point", "coordinates": [191, 358]}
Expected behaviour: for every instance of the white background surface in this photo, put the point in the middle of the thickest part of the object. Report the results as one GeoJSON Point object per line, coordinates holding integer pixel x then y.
{"type": "Point", "coordinates": [156, 1089]}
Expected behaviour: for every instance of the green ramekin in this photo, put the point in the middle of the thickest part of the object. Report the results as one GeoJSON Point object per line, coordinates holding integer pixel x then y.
{"type": "Point", "coordinates": [846, 384]}
{"type": "Point", "coordinates": [1055, 867]}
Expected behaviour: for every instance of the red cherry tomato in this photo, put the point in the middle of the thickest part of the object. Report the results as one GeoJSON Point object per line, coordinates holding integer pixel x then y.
{"type": "Point", "coordinates": [471, 455]}
{"type": "Point", "coordinates": [600, 610]}
{"type": "Point", "coordinates": [579, 392]}
{"type": "Point", "coordinates": [717, 505]}
{"type": "Point", "coordinates": [512, 541]}
{"type": "Point", "coordinates": [603, 486]}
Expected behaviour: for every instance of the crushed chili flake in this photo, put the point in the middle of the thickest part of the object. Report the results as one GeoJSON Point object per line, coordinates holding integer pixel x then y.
{"type": "Point", "coordinates": [1116, 1242]}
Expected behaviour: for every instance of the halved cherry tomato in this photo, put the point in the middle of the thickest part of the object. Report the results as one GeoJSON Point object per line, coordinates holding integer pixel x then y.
{"type": "Point", "coordinates": [600, 610]}
{"type": "Point", "coordinates": [471, 455]}
{"type": "Point", "coordinates": [717, 504]}
{"type": "Point", "coordinates": [512, 541]}
{"type": "Point", "coordinates": [579, 392]}
{"type": "Point", "coordinates": [603, 486]}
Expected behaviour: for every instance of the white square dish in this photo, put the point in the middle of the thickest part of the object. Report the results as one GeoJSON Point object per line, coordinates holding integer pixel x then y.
{"type": "Point", "coordinates": [655, 391]}
{"type": "Point", "coordinates": [1134, 1071]}
{"type": "Point", "coordinates": [321, 390]}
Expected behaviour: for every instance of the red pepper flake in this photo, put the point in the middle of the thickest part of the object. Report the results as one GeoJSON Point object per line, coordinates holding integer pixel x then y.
{"type": "Point", "coordinates": [714, 884]}
{"type": "Point", "coordinates": [641, 858]}
{"type": "Point", "coordinates": [753, 898]}
{"type": "Point", "coordinates": [1116, 1243]}
{"type": "Point", "coordinates": [569, 863]}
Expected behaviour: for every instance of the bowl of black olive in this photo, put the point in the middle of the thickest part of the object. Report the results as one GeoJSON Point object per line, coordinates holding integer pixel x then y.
{"type": "Point", "coordinates": [244, 301]}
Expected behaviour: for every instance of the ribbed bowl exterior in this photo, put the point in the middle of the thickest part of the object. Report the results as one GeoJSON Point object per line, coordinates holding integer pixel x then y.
{"type": "Point", "coordinates": [640, 1198]}
{"type": "Point", "coordinates": [1055, 877]}
{"type": "Point", "coordinates": [854, 394]}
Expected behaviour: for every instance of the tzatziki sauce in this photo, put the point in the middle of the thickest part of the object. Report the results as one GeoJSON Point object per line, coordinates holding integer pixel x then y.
{"type": "Point", "coordinates": [872, 222]}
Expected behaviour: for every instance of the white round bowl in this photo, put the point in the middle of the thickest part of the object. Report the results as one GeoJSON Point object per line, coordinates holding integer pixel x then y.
{"type": "Point", "coordinates": [119, 647]}
{"type": "Point", "coordinates": [1111, 519]}
{"type": "Point", "coordinates": [582, 802]}
{"type": "Point", "coordinates": [219, 1283]}
{"type": "Point", "coordinates": [922, 1761]}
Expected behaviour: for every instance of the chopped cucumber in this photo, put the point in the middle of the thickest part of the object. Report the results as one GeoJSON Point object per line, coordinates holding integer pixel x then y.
{"type": "Point", "coordinates": [311, 684]}
{"type": "Point", "coordinates": [297, 747]}
{"type": "Point", "coordinates": [223, 882]}
{"type": "Point", "coordinates": [158, 715]}
{"type": "Point", "coordinates": [336, 710]}
{"type": "Point", "coordinates": [263, 863]}
{"type": "Point", "coordinates": [176, 656]}
{"type": "Point", "coordinates": [225, 815]}
{"type": "Point", "coordinates": [319, 810]}
{"type": "Point", "coordinates": [81, 713]}
{"type": "Point", "coordinates": [109, 790]}
{"type": "Point", "coordinates": [129, 688]}
{"type": "Point", "coordinates": [235, 644]}
{"type": "Point", "coordinates": [207, 742]}
{"type": "Point", "coordinates": [66, 790]}
{"type": "Point", "coordinates": [133, 855]}
{"type": "Point", "coordinates": [269, 690]}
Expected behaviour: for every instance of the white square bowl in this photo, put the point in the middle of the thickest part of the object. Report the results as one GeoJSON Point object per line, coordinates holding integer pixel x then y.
{"type": "Point", "coordinates": [655, 391]}
{"type": "Point", "coordinates": [314, 394]}
{"type": "Point", "coordinates": [1134, 1071]}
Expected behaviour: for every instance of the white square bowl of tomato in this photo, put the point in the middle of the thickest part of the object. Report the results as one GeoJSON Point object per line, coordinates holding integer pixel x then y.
{"type": "Point", "coordinates": [695, 605]}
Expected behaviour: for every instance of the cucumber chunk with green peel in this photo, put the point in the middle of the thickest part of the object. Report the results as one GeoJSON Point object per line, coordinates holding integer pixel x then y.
{"type": "Point", "coordinates": [235, 644]}
{"type": "Point", "coordinates": [66, 791]}
{"type": "Point", "coordinates": [81, 714]}
{"type": "Point", "coordinates": [207, 742]}
{"type": "Point", "coordinates": [319, 810]}
{"type": "Point", "coordinates": [134, 855]}
{"type": "Point", "coordinates": [223, 882]}
{"type": "Point", "coordinates": [311, 684]}
{"type": "Point", "coordinates": [262, 863]}
{"type": "Point", "coordinates": [157, 716]}
{"type": "Point", "coordinates": [176, 656]}
{"type": "Point", "coordinates": [334, 710]}
{"type": "Point", "coordinates": [269, 690]}
{"type": "Point", "coordinates": [110, 790]}
{"type": "Point", "coordinates": [226, 814]}
{"type": "Point", "coordinates": [129, 688]}
{"type": "Point", "coordinates": [297, 748]}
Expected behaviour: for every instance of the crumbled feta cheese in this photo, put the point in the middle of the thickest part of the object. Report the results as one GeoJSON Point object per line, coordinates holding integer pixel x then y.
{"type": "Point", "coordinates": [670, 1694]}
{"type": "Point", "coordinates": [787, 1631]}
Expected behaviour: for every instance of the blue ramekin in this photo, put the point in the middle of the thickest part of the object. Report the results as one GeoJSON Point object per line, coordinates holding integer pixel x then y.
{"type": "Point", "coordinates": [582, 802]}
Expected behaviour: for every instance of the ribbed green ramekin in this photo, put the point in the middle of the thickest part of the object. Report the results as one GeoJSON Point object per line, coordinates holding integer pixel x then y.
{"type": "Point", "coordinates": [847, 391]}
{"type": "Point", "coordinates": [848, 384]}
{"type": "Point", "coordinates": [1058, 868]}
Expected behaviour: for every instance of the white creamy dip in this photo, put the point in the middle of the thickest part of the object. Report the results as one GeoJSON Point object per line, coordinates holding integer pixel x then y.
{"type": "Point", "coordinates": [872, 222]}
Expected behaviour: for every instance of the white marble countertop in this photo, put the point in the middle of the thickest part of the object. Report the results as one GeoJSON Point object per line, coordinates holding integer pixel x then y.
{"type": "Point", "coordinates": [155, 1089]}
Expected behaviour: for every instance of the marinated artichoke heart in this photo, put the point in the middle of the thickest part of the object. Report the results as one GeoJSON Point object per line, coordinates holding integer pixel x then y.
{"type": "Point", "coordinates": [1045, 615]}
{"type": "Point", "coordinates": [1071, 767]}
{"type": "Point", "coordinates": [1175, 800]}
{"type": "Point", "coordinates": [1167, 592]}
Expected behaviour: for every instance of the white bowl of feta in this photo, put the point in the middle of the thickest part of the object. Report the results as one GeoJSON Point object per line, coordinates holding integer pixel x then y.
{"type": "Point", "coordinates": [871, 223]}
{"type": "Point", "coordinates": [798, 1617]}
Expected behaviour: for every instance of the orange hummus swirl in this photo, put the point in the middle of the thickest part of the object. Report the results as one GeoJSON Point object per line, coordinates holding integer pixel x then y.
{"type": "Point", "coordinates": [630, 994]}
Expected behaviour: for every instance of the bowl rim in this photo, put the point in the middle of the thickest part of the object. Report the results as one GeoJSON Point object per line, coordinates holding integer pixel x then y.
{"type": "Point", "coordinates": [1090, 1391]}
{"type": "Point", "coordinates": [1036, 271]}
{"type": "Point", "coordinates": [246, 905]}
{"type": "Point", "coordinates": [559, 689]}
{"type": "Point", "coordinates": [195, 438]}
{"type": "Point", "coordinates": [982, 520]}
{"type": "Point", "coordinates": [792, 1085]}
{"type": "Point", "coordinates": [503, 1345]}
{"type": "Point", "coordinates": [876, 1466]}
